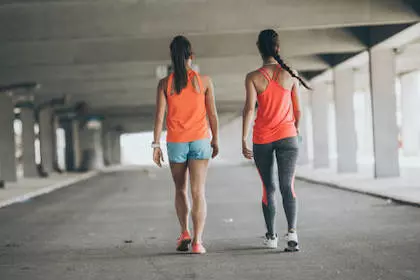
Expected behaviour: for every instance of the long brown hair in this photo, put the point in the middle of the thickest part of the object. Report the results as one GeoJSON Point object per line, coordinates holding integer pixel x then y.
{"type": "Point", "coordinates": [180, 53]}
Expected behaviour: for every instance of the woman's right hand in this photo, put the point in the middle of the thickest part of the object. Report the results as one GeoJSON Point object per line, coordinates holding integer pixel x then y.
{"type": "Point", "coordinates": [158, 156]}
{"type": "Point", "coordinates": [248, 154]}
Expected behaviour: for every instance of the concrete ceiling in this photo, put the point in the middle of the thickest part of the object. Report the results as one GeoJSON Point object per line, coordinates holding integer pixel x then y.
{"type": "Point", "coordinates": [106, 52]}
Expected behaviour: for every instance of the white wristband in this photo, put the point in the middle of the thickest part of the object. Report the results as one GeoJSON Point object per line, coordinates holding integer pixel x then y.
{"type": "Point", "coordinates": [155, 145]}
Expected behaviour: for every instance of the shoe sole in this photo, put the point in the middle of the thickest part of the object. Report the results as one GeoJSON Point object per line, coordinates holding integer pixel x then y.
{"type": "Point", "coordinates": [271, 246]}
{"type": "Point", "coordinates": [199, 253]}
{"type": "Point", "coordinates": [184, 245]}
{"type": "Point", "coordinates": [291, 250]}
{"type": "Point", "coordinates": [292, 246]}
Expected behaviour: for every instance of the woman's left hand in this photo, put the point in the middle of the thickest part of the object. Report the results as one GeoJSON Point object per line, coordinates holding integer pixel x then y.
{"type": "Point", "coordinates": [215, 146]}
{"type": "Point", "coordinates": [158, 156]}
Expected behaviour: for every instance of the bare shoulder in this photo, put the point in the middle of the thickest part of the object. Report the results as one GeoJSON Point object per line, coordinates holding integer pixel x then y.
{"type": "Point", "coordinates": [163, 83]}
{"type": "Point", "coordinates": [253, 74]}
{"type": "Point", "coordinates": [206, 80]}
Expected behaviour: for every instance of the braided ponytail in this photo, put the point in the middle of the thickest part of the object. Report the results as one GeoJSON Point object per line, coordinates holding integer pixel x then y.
{"type": "Point", "coordinates": [290, 71]}
{"type": "Point", "coordinates": [268, 44]}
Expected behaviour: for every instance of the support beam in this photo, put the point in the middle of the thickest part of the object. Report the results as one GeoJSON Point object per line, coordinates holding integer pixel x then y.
{"type": "Point", "coordinates": [7, 139]}
{"type": "Point", "coordinates": [385, 130]}
{"type": "Point", "coordinates": [27, 116]}
{"type": "Point", "coordinates": [344, 88]}
{"type": "Point", "coordinates": [410, 99]}
{"type": "Point", "coordinates": [319, 103]}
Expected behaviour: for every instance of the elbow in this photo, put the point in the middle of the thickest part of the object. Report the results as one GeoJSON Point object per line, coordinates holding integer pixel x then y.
{"type": "Point", "coordinates": [212, 116]}
{"type": "Point", "coordinates": [247, 111]}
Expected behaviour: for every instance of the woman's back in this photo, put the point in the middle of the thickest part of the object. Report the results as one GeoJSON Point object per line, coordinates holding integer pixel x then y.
{"type": "Point", "coordinates": [275, 117]}
{"type": "Point", "coordinates": [187, 117]}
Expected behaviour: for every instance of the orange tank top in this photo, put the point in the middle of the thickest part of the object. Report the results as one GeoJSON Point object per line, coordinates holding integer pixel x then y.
{"type": "Point", "coordinates": [275, 117]}
{"type": "Point", "coordinates": [186, 119]}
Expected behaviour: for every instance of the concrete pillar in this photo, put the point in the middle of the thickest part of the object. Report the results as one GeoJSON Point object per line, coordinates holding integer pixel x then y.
{"type": "Point", "coordinates": [46, 139]}
{"type": "Point", "coordinates": [115, 147]}
{"type": "Point", "coordinates": [410, 101]}
{"type": "Point", "coordinates": [303, 129]}
{"type": "Point", "coordinates": [106, 141]}
{"type": "Point", "coordinates": [73, 149]}
{"type": "Point", "coordinates": [345, 121]}
{"type": "Point", "coordinates": [27, 116]}
{"type": "Point", "coordinates": [92, 148]}
{"type": "Point", "coordinates": [320, 104]}
{"type": "Point", "coordinates": [7, 139]}
{"type": "Point", "coordinates": [385, 130]}
{"type": "Point", "coordinates": [368, 126]}
{"type": "Point", "coordinates": [55, 126]}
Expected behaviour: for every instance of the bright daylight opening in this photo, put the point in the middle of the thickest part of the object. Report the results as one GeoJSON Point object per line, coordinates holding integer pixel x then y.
{"type": "Point", "coordinates": [136, 149]}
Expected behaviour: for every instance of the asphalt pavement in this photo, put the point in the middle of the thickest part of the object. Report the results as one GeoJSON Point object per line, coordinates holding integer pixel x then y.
{"type": "Point", "coordinates": [122, 225]}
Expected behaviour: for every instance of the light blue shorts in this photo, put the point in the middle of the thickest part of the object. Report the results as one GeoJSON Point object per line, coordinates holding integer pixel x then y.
{"type": "Point", "coordinates": [196, 150]}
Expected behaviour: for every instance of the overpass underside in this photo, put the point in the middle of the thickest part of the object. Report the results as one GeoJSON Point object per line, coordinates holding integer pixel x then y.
{"type": "Point", "coordinates": [98, 64]}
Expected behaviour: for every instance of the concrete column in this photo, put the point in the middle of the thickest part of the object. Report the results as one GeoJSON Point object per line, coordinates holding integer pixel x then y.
{"type": "Point", "coordinates": [303, 129]}
{"type": "Point", "coordinates": [92, 149]}
{"type": "Point", "coordinates": [46, 139]}
{"type": "Point", "coordinates": [55, 126]}
{"type": "Point", "coordinates": [320, 104]}
{"type": "Point", "coordinates": [410, 99]}
{"type": "Point", "coordinates": [73, 151]}
{"type": "Point", "coordinates": [7, 139]}
{"type": "Point", "coordinates": [345, 121]}
{"type": "Point", "coordinates": [106, 141]}
{"type": "Point", "coordinates": [385, 130]}
{"type": "Point", "coordinates": [27, 116]}
{"type": "Point", "coordinates": [115, 147]}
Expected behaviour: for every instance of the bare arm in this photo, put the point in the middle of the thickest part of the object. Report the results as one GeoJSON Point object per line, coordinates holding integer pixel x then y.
{"type": "Point", "coordinates": [212, 111]}
{"type": "Point", "coordinates": [249, 108]}
{"type": "Point", "coordinates": [160, 112]}
{"type": "Point", "coordinates": [296, 104]}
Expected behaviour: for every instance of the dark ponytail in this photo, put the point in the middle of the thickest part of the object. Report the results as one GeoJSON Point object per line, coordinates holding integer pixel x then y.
{"type": "Point", "coordinates": [268, 41]}
{"type": "Point", "coordinates": [180, 52]}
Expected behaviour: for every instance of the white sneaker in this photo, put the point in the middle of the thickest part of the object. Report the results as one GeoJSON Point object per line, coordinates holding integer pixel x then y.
{"type": "Point", "coordinates": [271, 242]}
{"type": "Point", "coordinates": [292, 243]}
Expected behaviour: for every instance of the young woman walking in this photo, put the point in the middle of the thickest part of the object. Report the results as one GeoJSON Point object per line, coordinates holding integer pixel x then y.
{"type": "Point", "coordinates": [274, 87]}
{"type": "Point", "coordinates": [189, 100]}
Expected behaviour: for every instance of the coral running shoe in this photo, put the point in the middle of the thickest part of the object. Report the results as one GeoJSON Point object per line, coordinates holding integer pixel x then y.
{"type": "Point", "coordinates": [183, 242]}
{"type": "Point", "coordinates": [198, 248]}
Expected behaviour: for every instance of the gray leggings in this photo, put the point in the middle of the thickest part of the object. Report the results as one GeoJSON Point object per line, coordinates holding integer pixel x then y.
{"type": "Point", "coordinates": [286, 151]}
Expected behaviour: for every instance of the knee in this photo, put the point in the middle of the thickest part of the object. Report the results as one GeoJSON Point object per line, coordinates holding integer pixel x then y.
{"type": "Point", "coordinates": [181, 192]}
{"type": "Point", "coordinates": [288, 192]}
{"type": "Point", "coordinates": [269, 195]}
{"type": "Point", "coordinates": [197, 195]}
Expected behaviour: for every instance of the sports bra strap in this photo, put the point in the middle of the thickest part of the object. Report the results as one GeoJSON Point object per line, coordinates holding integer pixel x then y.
{"type": "Point", "coordinates": [265, 73]}
{"type": "Point", "coordinates": [193, 74]}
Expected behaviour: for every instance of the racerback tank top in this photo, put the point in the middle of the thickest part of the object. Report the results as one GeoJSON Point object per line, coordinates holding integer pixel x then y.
{"type": "Point", "coordinates": [186, 119]}
{"type": "Point", "coordinates": [275, 117]}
